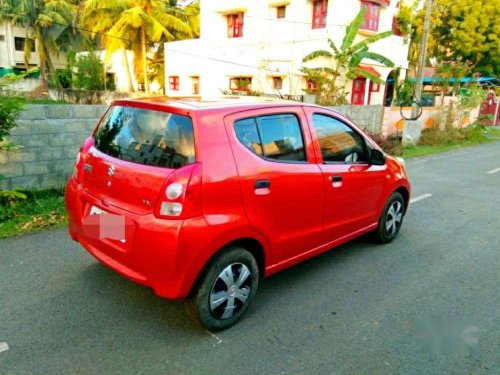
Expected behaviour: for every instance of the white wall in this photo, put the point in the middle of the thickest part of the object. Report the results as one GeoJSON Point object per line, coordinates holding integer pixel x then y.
{"type": "Point", "coordinates": [277, 45]}
{"type": "Point", "coordinates": [10, 58]}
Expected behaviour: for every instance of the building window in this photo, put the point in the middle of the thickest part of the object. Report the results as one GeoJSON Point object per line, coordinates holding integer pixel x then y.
{"type": "Point", "coordinates": [2, 38]}
{"type": "Point", "coordinates": [319, 14]}
{"type": "Point", "coordinates": [374, 87]}
{"type": "Point", "coordinates": [278, 83]}
{"type": "Point", "coordinates": [19, 44]}
{"type": "Point", "coordinates": [235, 25]}
{"type": "Point", "coordinates": [312, 86]}
{"type": "Point", "coordinates": [240, 83]}
{"type": "Point", "coordinates": [173, 83]}
{"type": "Point", "coordinates": [372, 16]}
{"type": "Point", "coordinates": [196, 85]}
{"type": "Point", "coordinates": [281, 11]}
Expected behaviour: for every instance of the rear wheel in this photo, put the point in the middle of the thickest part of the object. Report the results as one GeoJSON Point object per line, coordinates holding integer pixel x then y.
{"type": "Point", "coordinates": [391, 219]}
{"type": "Point", "coordinates": [225, 290]}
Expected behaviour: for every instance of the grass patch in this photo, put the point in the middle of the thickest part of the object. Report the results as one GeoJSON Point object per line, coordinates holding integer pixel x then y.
{"type": "Point", "coordinates": [434, 141]}
{"type": "Point", "coordinates": [40, 211]}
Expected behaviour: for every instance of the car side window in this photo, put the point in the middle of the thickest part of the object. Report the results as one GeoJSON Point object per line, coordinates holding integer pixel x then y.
{"type": "Point", "coordinates": [276, 137]}
{"type": "Point", "coordinates": [338, 142]}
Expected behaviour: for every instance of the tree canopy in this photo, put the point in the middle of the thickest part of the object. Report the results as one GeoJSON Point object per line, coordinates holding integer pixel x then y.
{"type": "Point", "coordinates": [469, 29]}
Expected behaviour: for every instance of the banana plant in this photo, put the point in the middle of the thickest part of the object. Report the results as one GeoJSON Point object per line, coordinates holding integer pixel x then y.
{"type": "Point", "coordinates": [346, 60]}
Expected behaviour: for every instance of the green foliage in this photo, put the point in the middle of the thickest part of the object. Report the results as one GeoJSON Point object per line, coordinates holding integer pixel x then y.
{"type": "Point", "coordinates": [450, 72]}
{"type": "Point", "coordinates": [344, 61]}
{"type": "Point", "coordinates": [467, 28]}
{"type": "Point", "coordinates": [40, 210]}
{"type": "Point", "coordinates": [405, 18]}
{"type": "Point", "coordinates": [472, 96]}
{"type": "Point", "coordinates": [9, 109]}
{"type": "Point", "coordinates": [89, 73]}
{"type": "Point", "coordinates": [8, 202]}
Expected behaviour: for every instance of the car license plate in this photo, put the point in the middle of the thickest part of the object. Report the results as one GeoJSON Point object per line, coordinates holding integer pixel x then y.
{"type": "Point", "coordinates": [114, 230]}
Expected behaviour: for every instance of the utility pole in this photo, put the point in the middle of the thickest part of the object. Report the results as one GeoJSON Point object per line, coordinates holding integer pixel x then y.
{"type": "Point", "coordinates": [422, 56]}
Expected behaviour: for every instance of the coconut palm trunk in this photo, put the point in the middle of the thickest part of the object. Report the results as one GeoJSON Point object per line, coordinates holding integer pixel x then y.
{"type": "Point", "coordinates": [144, 60]}
{"type": "Point", "coordinates": [127, 70]}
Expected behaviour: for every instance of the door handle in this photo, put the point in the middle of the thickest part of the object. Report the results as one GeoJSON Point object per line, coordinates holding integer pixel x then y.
{"type": "Point", "coordinates": [262, 184]}
{"type": "Point", "coordinates": [336, 178]}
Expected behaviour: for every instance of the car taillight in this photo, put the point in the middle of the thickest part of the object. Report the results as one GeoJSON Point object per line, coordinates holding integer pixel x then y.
{"type": "Point", "coordinates": [80, 158]}
{"type": "Point", "coordinates": [77, 166]}
{"type": "Point", "coordinates": [180, 197]}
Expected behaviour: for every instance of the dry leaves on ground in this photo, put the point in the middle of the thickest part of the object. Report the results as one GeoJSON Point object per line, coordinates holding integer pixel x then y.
{"type": "Point", "coordinates": [39, 221]}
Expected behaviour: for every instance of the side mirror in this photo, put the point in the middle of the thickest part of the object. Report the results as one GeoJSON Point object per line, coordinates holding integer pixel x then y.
{"type": "Point", "coordinates": [377, 157]}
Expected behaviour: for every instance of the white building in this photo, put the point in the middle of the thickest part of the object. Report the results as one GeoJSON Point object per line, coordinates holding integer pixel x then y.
{"type": "Point", "coordinates": [12, 39]}
{"type": "Point", "coordinates": [259, 45]}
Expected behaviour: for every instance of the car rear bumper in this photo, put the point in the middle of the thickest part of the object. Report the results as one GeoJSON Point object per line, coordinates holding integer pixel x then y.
{"type": "Point", "coordinates": [151, 253]}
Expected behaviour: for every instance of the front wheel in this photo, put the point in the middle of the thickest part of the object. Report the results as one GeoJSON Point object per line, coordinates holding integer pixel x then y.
{"type": "Point", "coordinates": [391, 219]}
{"type": "Point", "coordinates": [225, 290]}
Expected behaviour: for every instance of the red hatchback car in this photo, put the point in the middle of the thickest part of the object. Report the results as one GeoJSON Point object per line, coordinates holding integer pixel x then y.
{"type": "Point", "coordinates": [198, 199]}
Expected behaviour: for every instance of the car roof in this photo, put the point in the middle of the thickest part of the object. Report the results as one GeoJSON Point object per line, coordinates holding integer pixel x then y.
{"type": "Point", "coordinates": [221, 102]}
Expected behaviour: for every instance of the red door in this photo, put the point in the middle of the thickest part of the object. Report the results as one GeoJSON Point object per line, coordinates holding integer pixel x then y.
{"type": "Point", "coordinates": [358, 91]}
{"type": "Point", "coordinates": [281, 184]}
{"type": "Point", "coordinates": [352, 186]}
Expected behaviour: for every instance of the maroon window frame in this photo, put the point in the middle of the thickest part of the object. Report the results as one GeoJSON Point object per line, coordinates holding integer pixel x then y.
{"type": "Point", "coordinates": [278, 83]}
{"type": "Point", "coordinates": [320, 9]}
{"type": "Point", "coordinates": [235, 83]}
{"type": "Point", "coordinates": [174, 83]}
{"type": "Point", "coordinates": [235, 25]}
{"type": "Point", "coordinates": [372, 16]}
{"type": "Point", "coordinates": [281, 11]}
{"type": "Point", "coordinates": [312, 86]}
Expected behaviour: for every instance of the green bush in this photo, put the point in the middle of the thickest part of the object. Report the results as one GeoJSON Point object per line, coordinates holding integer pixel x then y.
{"type": "Point", "coordinates": [89, 72]}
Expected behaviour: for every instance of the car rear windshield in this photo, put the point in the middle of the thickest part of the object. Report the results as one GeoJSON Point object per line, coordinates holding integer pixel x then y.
{"type": "Point", "coordinates": [146, 137]}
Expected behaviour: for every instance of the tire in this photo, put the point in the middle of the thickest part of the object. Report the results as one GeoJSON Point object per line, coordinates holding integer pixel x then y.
{"type": "Point", "coordinates": [391, 219]}
{"type": "Point", "coordinates": [225, 290]}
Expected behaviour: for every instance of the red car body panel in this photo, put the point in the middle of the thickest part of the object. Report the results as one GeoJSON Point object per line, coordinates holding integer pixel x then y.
{"type": "Point", "coordinates": [299, 216]}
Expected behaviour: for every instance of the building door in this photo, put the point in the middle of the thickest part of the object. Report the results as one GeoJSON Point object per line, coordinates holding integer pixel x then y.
{"type": "Point", "coordinates": [358, 91]}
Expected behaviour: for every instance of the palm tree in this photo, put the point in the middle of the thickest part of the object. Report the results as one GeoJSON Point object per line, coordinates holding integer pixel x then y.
{"type": "Point", "coordinates": [135, 24]}
{"type": "Point", "coordinates": [45, 22]}
{"type": "Point", "coordinates": [346, 60]}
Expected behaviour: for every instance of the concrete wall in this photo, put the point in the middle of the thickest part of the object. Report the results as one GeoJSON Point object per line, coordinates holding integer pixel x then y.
{"type": "Point", "coordinates": [51, 136]}
{"type": "Point", "coordinates": [369, 118]}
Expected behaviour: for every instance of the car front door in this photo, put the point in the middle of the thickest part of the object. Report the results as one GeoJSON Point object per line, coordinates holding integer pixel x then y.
{"type": "Point", "coordinates": [281, 183]}
{"type": "Point", "coordinates": [353, 187]}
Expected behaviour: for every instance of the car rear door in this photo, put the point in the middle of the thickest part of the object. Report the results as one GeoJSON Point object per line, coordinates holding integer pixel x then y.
{"type": "Point", "coordinates": [281, 184]}
{"type": "Point", "coordinates": [353, 187]}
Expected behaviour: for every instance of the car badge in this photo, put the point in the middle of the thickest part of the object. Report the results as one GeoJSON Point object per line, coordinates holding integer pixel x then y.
{"type": "Point", "coordinates": [111, 170]}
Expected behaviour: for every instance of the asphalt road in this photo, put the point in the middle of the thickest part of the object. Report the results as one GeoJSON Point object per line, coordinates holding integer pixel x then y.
{"type": "Point", "coordinates": [416, 306]}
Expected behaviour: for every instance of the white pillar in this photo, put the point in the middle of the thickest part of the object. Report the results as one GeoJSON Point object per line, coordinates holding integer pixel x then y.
{"type": "Point", "coordinates": [367, 92]}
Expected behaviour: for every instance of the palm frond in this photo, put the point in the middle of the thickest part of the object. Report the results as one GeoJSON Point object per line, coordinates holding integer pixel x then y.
{"type": "Point", "coordinates": [377, 57]}
{"type": "Point", "coordinates": [363, 73]}
{"type": "Point", "coordinates": [371, 39]}
{"type": "Point", "coordinates": [315, 54]}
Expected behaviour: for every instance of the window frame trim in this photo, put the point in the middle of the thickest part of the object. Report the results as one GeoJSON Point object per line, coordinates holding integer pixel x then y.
{"type": "Point", "coordinates": [323, 13]}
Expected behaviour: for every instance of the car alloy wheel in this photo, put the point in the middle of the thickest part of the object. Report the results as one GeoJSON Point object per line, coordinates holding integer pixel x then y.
{"type": "Point", "coordinates": [394, 218]}
{"type": "Point", "coordinates": [230, 291]}
{"type": "Point", "coordinates": [225, 289]}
